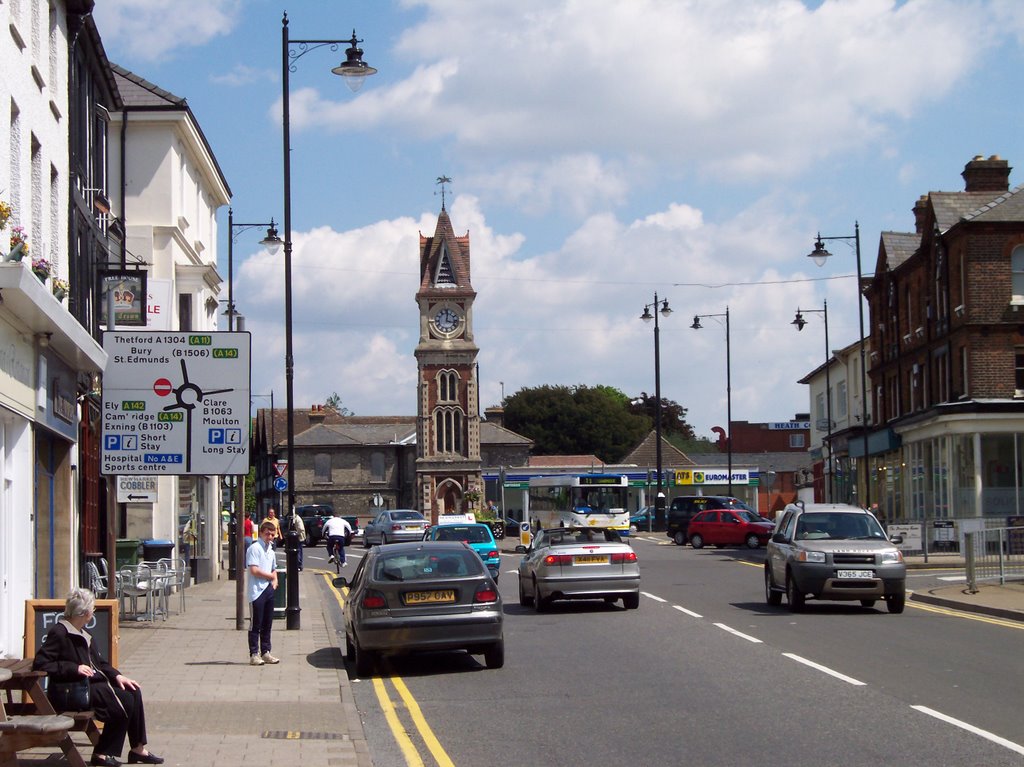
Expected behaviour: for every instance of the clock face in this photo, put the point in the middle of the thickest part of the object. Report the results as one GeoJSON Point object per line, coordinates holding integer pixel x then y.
{"type": "Point", "coordinates": [446, 320]}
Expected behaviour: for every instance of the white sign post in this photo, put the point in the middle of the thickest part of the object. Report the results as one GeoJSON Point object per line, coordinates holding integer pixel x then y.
{"type": "Point", "coordinates": [176, 403]}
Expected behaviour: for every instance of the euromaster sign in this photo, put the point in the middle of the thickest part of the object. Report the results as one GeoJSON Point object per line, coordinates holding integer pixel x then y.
{"type": "Point", "coordinates": [711, 477]}
{"type": "Point", "coordinates": [176, 403]}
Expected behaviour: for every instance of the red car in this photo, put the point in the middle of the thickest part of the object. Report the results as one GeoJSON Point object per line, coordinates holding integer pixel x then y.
{"type": "Point", "coordinates": [725, 527]}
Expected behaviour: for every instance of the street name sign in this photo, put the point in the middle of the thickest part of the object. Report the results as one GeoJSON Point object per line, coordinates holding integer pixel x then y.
{"type": "Point", "coordinates": [176, 403]}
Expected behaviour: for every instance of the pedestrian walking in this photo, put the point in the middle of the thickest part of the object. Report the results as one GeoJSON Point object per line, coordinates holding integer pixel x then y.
{"type": "Point", "coordinates": [247, 528]}
{"type": "Point", "coordinates": [261, 562]}
{"type": "Point", "coordinates": [272, 519]}
{"type": "Point", "coordinates": [300, 528]}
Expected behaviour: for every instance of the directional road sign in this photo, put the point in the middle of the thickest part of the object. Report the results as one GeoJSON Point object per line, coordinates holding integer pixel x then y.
{"type": "Point", "coordinates": [136, 489]}
{"type": "Point", "coordinates": [280, 484]}
{"type": "Point", "coordinates": [175, 403]}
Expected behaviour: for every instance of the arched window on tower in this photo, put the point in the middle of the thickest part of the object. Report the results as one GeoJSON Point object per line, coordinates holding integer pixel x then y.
{"type": "Point", "coordinates": [449, 423]}
{"type": "Point", "coordinates": [447, 386]}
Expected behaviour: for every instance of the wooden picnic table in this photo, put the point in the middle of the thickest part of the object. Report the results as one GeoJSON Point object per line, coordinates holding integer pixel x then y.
{"type": "Point", "coordinates": [31, 721]}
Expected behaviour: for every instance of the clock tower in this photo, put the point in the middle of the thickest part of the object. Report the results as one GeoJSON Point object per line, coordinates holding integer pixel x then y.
{"type": "Point", "coordinates": [448, 471]}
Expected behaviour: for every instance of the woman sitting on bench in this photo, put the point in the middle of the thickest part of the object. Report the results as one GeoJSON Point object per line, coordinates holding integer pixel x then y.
{"type": "Point", "coordinates": [69, 655]}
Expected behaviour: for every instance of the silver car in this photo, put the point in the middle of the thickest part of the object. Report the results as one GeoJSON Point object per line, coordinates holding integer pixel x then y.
{"type": "Point", "coordinates": [431, 595]}
{"type": "Point", "coordinates": [578, 563]}
{"type": "Point", "coordinates": [833, 551]}
{"type": "Point", "coordinates": [393, 526]}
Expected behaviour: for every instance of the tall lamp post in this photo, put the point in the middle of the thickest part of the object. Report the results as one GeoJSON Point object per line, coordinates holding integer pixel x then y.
{"type": "Point", "coordinates": [272, 243]}
{"type": "Point", "coordinates": [728, 381]}
{"type": "Point", "coordinates": [647, 316]}
{"type": "Point", "coordinates": [799, 322]}
{"type": "Point", "coordinates": [353, 69]}
{"type": "Point", "coordinates": [820, 255]}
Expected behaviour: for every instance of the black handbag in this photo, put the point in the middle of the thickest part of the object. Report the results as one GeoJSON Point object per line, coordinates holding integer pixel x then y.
{"type": "Point", "coordinates": [69, 696]}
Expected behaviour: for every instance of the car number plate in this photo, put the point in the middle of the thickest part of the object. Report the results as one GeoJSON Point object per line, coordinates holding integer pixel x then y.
{"type": "Point", "coordinates": [855, 574]}
{"type": "Point", "coordinates": [430, 597]}
{"type": "Point", "coordinates": [590, 559]}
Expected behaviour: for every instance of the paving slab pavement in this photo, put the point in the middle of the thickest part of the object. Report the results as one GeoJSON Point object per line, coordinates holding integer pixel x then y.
{"type": "Point", "coordinates": [205, 705]}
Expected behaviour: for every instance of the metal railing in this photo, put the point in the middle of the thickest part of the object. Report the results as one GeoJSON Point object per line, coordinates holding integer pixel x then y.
{"type": "Point", "coordinates": [995, 554]}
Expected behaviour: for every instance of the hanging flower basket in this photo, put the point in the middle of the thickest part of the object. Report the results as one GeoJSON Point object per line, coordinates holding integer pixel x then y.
{"type": "Point", "coordinates": [5, 213]}
{"type": "Point", "coordinates": [60, 289]}
{"type": "Point", "coordinates": [16, 253]}
{"type": "Point", "coordinates": [41, 268]}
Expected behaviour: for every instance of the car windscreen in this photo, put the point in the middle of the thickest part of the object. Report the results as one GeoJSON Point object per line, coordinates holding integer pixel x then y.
{"type": "Point", "coordinates": [816, 525]}
{"type": "Point", "coordinates": [423, 565]}
{"type": "Point", "coordinates": [404, 515]}
{"type": "Point", "coordinates": [467, 533]}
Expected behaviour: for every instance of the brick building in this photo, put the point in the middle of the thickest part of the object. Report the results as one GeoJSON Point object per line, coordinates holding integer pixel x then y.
{"type": "Point", "coordinates": [947, 363]}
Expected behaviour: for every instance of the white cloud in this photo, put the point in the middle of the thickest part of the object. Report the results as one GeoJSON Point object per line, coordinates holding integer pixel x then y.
{"type": "Point", "coordinates": [241, 74]}
{"type": "Point", "coordinates": [152, 29]}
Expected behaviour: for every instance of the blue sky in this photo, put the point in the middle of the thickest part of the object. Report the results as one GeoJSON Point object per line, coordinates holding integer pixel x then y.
{"type": "Point", "coordinates": [601, 151]}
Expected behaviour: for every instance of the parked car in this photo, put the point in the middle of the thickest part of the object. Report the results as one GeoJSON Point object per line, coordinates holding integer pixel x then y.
{"type": "Point", "coordinates": [724, 527]}
{"type": "Point", "coordinates": [686, 507]}
{"type": "Point", "coordinates": [395, 525]}
{"type": "Point", "coordinates": [833, 551]}
{"type": "Point", "coordinates": [430, 595]}
{"type": "Point", "coordinates": [643, 519]}
{"type": "Point", "coordinates": [578, 563]}
{"type": "Point", "coordinates": [478, 537]}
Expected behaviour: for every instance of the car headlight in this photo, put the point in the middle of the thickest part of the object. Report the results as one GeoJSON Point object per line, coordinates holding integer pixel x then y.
{"type": "Point", "coordinates": [892, 557]}
{"type": "Point", "coordinates": [810, 556]}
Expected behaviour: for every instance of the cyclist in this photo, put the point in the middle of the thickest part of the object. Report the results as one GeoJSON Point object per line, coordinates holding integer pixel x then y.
{"type": "Point", "coordinates": [337, 531]}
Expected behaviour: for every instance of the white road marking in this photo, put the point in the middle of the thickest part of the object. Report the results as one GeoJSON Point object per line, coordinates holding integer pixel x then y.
{"type": "Point", "coordinates": [824, 669]}
{"type": "Point", "coordinates": [740, 634]}
{"type": "Point", "coordinates": [684, 610]}
{"type": "Point", "coordinates": [1015, 747]}
{"type": "Point", "coordinates": [952, 577]}
{"type": "Point", "coordinates": [651, 596]}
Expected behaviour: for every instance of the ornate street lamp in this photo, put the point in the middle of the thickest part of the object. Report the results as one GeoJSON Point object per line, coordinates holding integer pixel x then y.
{"type": "Point", "coordinates": [647, 316]}
{"type": "Point", "coordinates": [354, 70]}
{"type": "Point", "coordinates": [800, 322]}
{"type": "Point", "coordinates": [819, 255]}
{"type": "Point", "coordinates": [728, 380]}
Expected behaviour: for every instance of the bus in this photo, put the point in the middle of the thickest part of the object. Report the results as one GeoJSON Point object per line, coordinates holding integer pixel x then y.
{"type": "Point", "coordinates": [579, 500]}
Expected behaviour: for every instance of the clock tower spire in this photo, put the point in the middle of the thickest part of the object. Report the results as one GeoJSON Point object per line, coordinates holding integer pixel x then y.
{"type": "Point", "coordinates": [448, 468]}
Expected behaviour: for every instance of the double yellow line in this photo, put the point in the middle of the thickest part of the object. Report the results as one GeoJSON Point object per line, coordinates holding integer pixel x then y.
{"type": "Point", "coordinates": [391, 708]}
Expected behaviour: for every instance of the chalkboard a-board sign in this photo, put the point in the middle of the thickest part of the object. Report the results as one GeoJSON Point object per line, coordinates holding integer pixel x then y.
{"type": "Point", "coordinates": [41, 614]}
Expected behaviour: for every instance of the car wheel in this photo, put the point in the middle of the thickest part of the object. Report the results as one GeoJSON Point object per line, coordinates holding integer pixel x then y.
{"type": "Point", "coordinates": [494, 656]}
{"type": "Point", "coordinates": [896, 602]}
{"type": "Point", "coordinates": [364, 660]}
{"type": "Point", "coordinates": [771, 596]}
{"type": "Point", "coordinates": [752, 541]}
{"type": "Point", "coordinates": [524, 599]}
{"type": "Point", "coordinates": [680, 538]}
{"type": "Point", "coordinates": [867, 603]}
{"type": "Point", "coordinates": [697, 541]}
{"type": "Point", "coordinates": [366, 541]}
{"type": "Point", "coordinates": [794, 596]}
{"type": "Point", "coordinates": [631, 601]}
{"type": "Point", "coordinates": [539, 603]}
{"type": "Point", "coordinates": [383, 540]}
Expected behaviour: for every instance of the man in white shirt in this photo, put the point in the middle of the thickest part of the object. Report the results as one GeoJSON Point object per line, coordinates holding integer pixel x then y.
{"type": "Point", "coordinates": [261, 562]}
{"type": "Point", "coordinates": [337, 532]}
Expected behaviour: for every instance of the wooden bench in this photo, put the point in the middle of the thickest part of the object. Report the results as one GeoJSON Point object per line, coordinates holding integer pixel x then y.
{"type": "Point", "coordinates": [18, 733]}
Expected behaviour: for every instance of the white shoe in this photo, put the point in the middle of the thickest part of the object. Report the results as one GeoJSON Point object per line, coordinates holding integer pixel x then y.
{"type": "Point", "coordinates": [330, 560]}
{"type": "Point", "coordinates": [256, 660]}
{"type": "Point", "coordinates": [345, 563]}
{"type": "Point", "coordinates": [268, 658]}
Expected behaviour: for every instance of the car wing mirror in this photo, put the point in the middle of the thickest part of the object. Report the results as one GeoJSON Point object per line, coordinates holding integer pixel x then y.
{"type": "Point", "coordinates": [897, 539]}
{"type": "Point", "coordinates": [779, 538]}
{"type": "Point", "coordinates": [339, 582]}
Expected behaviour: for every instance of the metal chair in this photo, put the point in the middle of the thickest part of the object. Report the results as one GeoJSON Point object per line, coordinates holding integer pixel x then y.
{"type": "Point", "coordinates": [97, 583]}
{"type": "Point", "coordinates": [140, 581]}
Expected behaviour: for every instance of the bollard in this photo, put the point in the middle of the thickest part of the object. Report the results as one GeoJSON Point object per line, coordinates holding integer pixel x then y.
{"type": "Point", "coordinates": [292, 610]}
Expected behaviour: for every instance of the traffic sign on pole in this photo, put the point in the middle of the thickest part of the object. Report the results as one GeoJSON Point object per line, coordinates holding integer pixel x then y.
{"type": "Point", "coordinates": [281, 484]}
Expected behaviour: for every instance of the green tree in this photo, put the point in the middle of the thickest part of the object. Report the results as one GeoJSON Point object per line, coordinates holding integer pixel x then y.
{"type": "Point", "coordinates": [576, 420]}
{"type": "Point", "coordinates": [673, 415]}
{"type": "Point", "coordinates": [334, 403]}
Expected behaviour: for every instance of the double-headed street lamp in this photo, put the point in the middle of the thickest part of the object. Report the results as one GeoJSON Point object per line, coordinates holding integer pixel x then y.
{"type": "Point", "coordinates": [820, 255]}
{"type": "Point", "coordinates": [353, 69]}
{"type": "Point", "coordinates": [647, 316]}
{"type": "Point", "coordinates": [272, 243]}
{"type": "Point", "coordinates": [799, 322]}
{"type": "Point", "coordinates": [728, 380]}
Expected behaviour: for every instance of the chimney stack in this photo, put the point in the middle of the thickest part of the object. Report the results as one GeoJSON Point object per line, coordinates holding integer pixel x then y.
{"type": "Point", "coordinates": [920, 213]}
{"type": "Point", "coordinates": [496, 415]}
{"type": "Point", "coordinates": [317, 414]}
{"type": "Point", "coordinates": [991, 175]}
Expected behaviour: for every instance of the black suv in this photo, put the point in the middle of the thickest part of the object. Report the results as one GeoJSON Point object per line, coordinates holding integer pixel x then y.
{"type": "Point", "coordinates": [686, 507]}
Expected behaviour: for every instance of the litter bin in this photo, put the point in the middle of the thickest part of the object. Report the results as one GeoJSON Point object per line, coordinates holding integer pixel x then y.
{"type": "Point", "coordinates": [154, 550]}
{"type": "Point", "coordinates": [281, 595]}
{"type": "Point", "coordinates": [126, 551]}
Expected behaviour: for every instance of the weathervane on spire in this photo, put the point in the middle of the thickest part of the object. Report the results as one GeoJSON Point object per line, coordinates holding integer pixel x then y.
{"type": "Point", "coordinates": [442, 180]}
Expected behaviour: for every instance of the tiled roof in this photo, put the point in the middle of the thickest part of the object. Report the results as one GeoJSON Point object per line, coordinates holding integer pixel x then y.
{"type": "Point", "coordinates": [492, 434]}
{"type": "Point", "coordinates": [1006, 207]}
{"type": "Point", "coordinates": [138, 92]}
{"type": "Point", "coordinates": [560, 461]}
{"type": "Point", "coordinates": [899, 246]}
{"type": "Point", "coordinates": [646, 454]}
{"type": "Point", "coordinates": [458, 253]}
{"type": "Point", "coordinates": [953, 207]}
